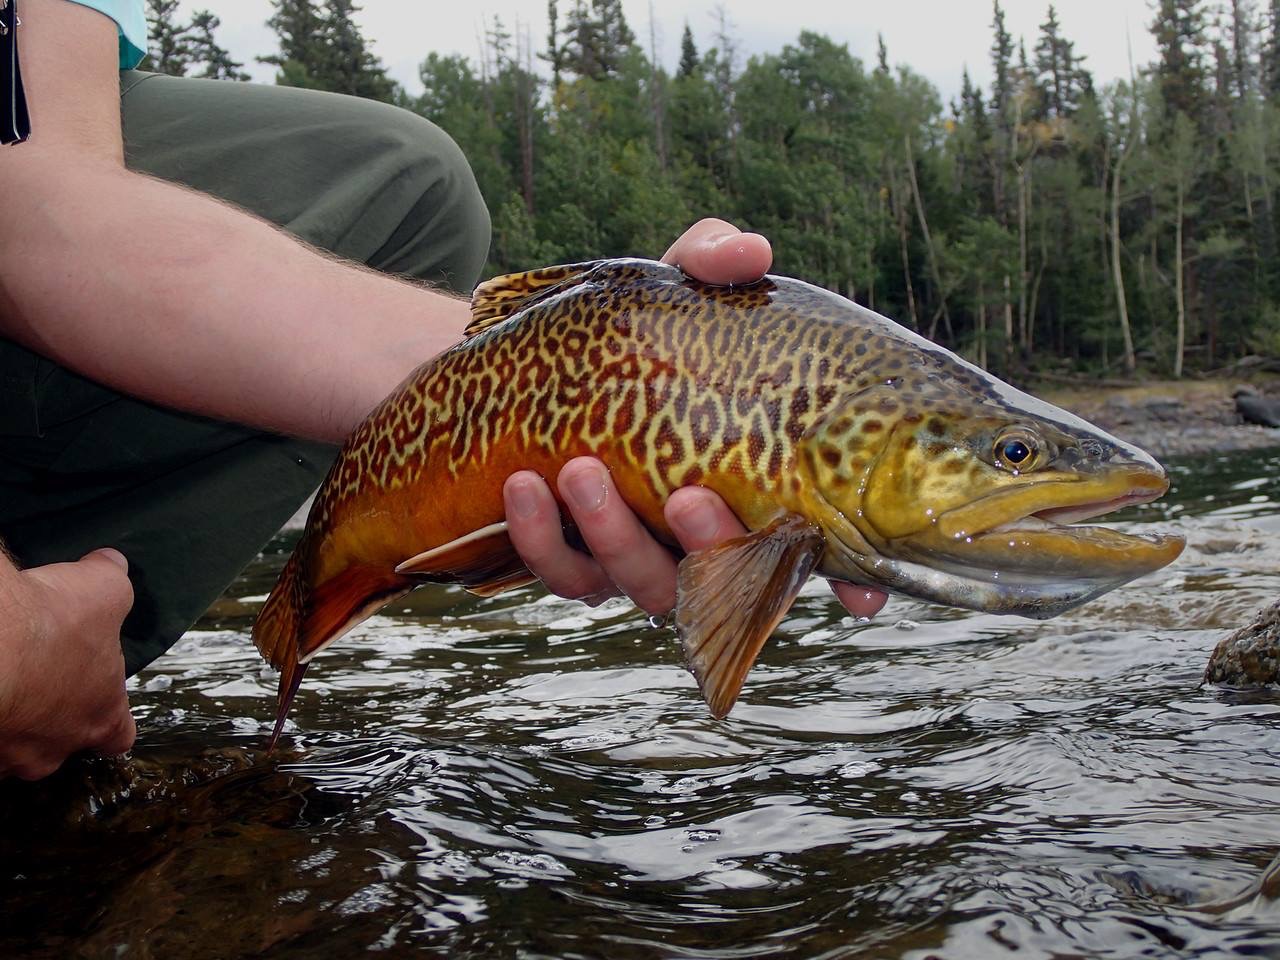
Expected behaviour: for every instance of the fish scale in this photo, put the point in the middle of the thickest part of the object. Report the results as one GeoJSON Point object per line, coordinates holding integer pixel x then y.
{"type": "Point", "coordinates": [837, 437]}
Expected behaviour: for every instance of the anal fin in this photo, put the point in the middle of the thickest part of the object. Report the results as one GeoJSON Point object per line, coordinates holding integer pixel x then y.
{"type": "Point", "coordinates": [484, 561]}
{"type": "Point", "coordinates": [730, 597]}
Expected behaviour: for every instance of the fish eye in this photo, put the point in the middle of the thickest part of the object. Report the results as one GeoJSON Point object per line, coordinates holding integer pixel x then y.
{"type": "Point", "coordinates": [1017, 450]}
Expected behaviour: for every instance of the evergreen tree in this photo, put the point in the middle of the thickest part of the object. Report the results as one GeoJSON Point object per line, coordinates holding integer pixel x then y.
{"type": "Point", "coordinates": [1001, 60]}
{"type": "Point", "coordinates": [596, 38]}
{"type": "Point", "coordinates": [1270, 65]}
{"type": "Point", "coordinates": [554, 54]}
{"type": "Point", "coordinates": [689, 62]}
{"type": "Point", "coordinates": [1179, 29]}
{"type": "Point", "coordinates": [187, 49]}
{"type": "Point", "coordinates": [321, 47]}
{"type": "Point", "coordinates": [1059, 74]}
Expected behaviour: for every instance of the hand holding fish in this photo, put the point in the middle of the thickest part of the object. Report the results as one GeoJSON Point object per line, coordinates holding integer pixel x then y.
{"type": "Point", "coordinates": [625, 558]}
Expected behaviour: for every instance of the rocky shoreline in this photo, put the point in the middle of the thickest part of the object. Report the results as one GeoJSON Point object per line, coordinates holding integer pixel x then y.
{"type": "Point", "coordinates": [1171, 419]}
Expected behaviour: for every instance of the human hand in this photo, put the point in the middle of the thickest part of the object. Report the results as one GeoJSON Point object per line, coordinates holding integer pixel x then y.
{"type": "Point", "coordinates": [61, 665]}
{"type": "Point", "coordinates": [625, 558]}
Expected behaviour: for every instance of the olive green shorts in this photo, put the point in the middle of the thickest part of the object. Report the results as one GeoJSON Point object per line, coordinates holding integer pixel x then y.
{"type": "Point", "coordinates": [190, 501]}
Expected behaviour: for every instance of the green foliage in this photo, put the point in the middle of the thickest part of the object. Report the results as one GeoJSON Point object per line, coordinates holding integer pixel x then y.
{"type": "Point", "coordinates": [187, 49]}
{"type": "Point", "coordinates": [322, 48]}
{"type": "Point", "coordinates": [1041, 224]}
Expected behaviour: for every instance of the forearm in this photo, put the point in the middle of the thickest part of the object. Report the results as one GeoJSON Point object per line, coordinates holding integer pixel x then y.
{"type": "Point", "coordinates": [173, 297]}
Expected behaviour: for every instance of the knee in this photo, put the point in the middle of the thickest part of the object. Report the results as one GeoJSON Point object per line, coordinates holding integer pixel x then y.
{"type": "Point", "coordinates": [443, 235]}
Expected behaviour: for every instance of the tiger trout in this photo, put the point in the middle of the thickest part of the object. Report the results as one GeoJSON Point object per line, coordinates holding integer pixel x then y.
{"type": "Point", "coordinates": [848, 446]}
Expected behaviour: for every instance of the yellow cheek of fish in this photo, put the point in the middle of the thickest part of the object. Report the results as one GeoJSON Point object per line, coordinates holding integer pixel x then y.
{"type": "Point", "coordinates": [918, 478]}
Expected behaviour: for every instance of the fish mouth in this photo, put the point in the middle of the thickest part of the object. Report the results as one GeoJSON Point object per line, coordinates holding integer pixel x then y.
{"type": "Point", "coordinates": [1036, 533]}
{"type": "Point", "coordinates": [1025, 551]}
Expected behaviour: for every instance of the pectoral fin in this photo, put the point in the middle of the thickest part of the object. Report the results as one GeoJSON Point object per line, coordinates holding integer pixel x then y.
{"type": "Point", "coordinates": [730, 598]}
{"type": "Point", "coordinates": [483, 561]}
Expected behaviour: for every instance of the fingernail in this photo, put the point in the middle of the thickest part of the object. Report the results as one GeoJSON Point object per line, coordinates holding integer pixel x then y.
{"type": "Point", "coordinates": [697, 521]}
{"type": "Point", "coordinates": [524, 501]}
{"type": "Point", "coordinates": [115, 556]}
{"type": "Point", "coordinates": [586, 490]}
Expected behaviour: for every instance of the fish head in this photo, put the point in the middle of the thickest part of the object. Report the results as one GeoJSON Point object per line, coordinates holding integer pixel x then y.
{"type": "Point", "coordinates": [974, 497]}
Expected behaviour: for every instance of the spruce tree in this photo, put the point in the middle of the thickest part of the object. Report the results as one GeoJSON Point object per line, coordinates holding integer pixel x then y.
{"type": "Point", "coordinates": [1271, 52]}
{"type": "Point", "coordinates": [1062, 80]}
{"type": "Point", "coordinates": [554, 54]}
{"type": "Point", "coordinates": [689, 62]}
{"type": "Point", "coordinates": [322, 48]}
{"type": "Point", "coordinates": [187, 49]}
{"type": "Point", "coordinates": [1001, 57]}
{"type": "Point", "coordinates": [1178, 29]}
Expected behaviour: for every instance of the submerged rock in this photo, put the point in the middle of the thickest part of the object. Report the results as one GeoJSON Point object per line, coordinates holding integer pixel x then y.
{"type": "Point", "coordinates": [1250, 657]}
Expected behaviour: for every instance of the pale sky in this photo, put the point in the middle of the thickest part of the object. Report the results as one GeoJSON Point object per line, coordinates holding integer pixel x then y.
{"type": "Point", "coordinates": [937, 38]}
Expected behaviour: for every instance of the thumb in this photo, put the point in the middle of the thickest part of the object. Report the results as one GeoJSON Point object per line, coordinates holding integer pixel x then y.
{"type": "Point", "coordinates": [108, 569]}
{"type": "Point", "coordinates": [109, 553]}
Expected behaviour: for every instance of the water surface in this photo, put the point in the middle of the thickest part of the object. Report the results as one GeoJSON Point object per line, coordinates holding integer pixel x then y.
{"type": "Point", "coordinates": [524, 776]}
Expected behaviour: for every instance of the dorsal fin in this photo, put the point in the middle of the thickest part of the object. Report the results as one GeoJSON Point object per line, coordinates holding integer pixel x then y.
{"type": "Point", "coordinates": [496, 299]}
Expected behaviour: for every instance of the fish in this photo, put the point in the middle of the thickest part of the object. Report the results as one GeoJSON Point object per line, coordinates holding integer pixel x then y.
{"type": "Point", "coordinates": [848, 446]}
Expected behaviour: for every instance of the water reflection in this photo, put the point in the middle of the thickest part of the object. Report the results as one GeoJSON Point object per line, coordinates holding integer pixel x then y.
{"type": "Point", "coordinates": [526, 776]}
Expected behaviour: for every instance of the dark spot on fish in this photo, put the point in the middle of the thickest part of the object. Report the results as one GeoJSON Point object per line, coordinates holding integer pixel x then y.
{"type": "Point", "coordinates": [831, 455]}
{"type": "Point", "coordinates": [841, 425]}
{"type": "Point", "coordinates": [951, 467]}
{"type": "Point", "coordinates": [872, 426]}
{"type": "Point", "coordinates": [936, 427]}
{"type": "Point", "coordinates": [775, 460]}
{"type": "Point", "coordinates": [936, 450]}
{"type": "Point", "coordinates": [755, 444]}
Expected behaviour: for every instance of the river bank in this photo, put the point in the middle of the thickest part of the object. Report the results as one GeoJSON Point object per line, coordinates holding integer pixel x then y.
{"type": "Point", "coordinates": [1171, 418]}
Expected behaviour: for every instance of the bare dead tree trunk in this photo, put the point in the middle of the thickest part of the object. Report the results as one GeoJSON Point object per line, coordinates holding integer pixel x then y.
{"type": "Point", "coordinates": [982, 325]}
{"type": "Point", "coordinates": [1034, 303]}
{"type": "Point", "coordinates": [928, 243]}
{"type": "Point", "coordinates": [900, 217]}
{"type": "Point", "coordinates": [1023, 265]}
{"type": "Point", "coordinates": [1008, 323]}
{"type": "Point", "coordinates": [1178, 285]}
{"type": "Point", "coordinates": [656, 99]}
{"type": "Point", "coordinates": [1117, 271]}
{"type": "Point", "coordinates": [524, 114]}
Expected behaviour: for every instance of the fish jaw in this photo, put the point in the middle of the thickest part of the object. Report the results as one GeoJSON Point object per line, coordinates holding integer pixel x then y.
{"type": "Point", "coordinates": [1030, 537]}
{"type": "Point", "coordinates": [1016, 551]}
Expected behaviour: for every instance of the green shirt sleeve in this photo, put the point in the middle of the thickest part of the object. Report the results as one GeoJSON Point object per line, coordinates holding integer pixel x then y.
{"type": "Point", "coordinates": [132, 25]}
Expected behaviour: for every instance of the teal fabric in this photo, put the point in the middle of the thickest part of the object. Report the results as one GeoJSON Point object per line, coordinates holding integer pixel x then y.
{"type": "Point", "coordinates": [132, 24]}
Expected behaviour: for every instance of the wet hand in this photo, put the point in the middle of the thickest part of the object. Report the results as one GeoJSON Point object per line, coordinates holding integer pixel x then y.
{"type": "Point", "coordinates": [61, 665]}
{"type": "Point", "coordinates": [625, 558]}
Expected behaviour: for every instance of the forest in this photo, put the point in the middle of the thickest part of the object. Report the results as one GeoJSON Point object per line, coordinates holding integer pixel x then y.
{"type": "Point", "coordinates": [1048, 226]}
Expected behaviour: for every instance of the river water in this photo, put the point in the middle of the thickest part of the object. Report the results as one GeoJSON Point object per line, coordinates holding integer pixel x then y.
{"type": "Point", "coordinates": [524, 776]}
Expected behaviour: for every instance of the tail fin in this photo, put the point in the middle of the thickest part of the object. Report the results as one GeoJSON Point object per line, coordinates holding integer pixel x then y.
{"type": "Point", "coordinates": [297, 622]}
{"type": "Point", "coordinates": [276, 633]}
